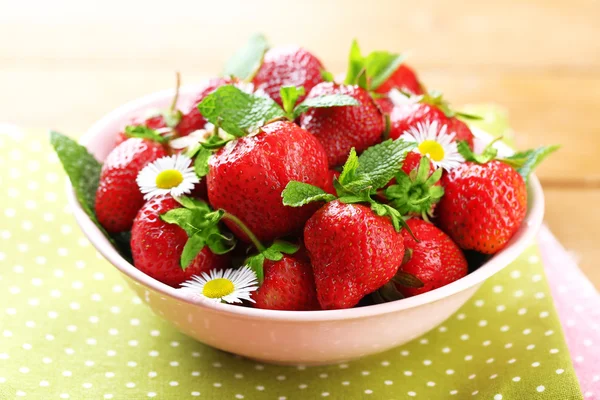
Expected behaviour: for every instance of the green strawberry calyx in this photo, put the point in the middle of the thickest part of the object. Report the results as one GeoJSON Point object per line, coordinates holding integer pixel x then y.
{"type": "Point", "coordinates": [274, 252]}
{"type": "Point", "coordinates": [524, 161]}
{"type": "Point", "coordinates": [201, 223]}
{"type": "Point", "coordinates": [246, 62]}
{"type": "Point", "coordinates": [359, 181]}
{"type": "Point", "coordinates": [371, 71]}
{"type": "Point", "coordinates": [143, 132]}
{"type": "Point", "coordinates": [417, 192]}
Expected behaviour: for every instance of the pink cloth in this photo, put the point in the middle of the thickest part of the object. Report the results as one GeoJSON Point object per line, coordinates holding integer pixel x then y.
{"type": "Point", "coordinates": [578, 306]}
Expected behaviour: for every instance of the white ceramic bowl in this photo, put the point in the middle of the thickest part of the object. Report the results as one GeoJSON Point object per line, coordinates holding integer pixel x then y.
{"type": "Point", "coordinates": [291, 337]}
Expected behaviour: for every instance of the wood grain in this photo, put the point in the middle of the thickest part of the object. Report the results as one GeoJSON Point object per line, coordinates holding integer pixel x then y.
{"type": "Point", "coordinates": [64, 64]}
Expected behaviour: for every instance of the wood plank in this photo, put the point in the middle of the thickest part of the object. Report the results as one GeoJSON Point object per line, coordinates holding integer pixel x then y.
{"type": "Point", "coordinates": [572, 217]}
{"type": "Point", "coordinates": [512, 33]}
{"type": "Point", "coordinates": [544, 108]}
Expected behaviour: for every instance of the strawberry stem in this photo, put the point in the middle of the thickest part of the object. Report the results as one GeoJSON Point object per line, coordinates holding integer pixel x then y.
{"type": "Point", "coordinates": [177, 86]}
{"type": "Point", "coordinates": [259, 246]}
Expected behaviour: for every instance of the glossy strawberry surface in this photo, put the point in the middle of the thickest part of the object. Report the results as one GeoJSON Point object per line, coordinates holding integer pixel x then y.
{"type": "Point", "coordinates": [339, 129]}
{"type": "Point", "coordinates": [353, 253]}
{"type": "Point", "coordinates": [247, 176]}
{"type": "Point", "coordinates": [288, 66]}
{"type": "Point", "coordinates": [156, 246]}
{"type": "Point", "coordinates": [435, 259]}
{"type": "Point", "coordinates": [289, 284]}
{"type": "Point", "coordinates": [404, 79]}
{"type": "Point", "coordinates": [118, 197]}
{"type": "Point", "coordinates": [483, 205]}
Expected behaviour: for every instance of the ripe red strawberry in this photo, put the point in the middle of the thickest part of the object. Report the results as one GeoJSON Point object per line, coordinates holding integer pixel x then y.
{"type": "Point", "coordinates": [353, 252]}
{"type": "Point", "coordinates": [287, 66]}
{"type": "Point", "coordinates": [405, 116]}
{"type": "Point", "coordinates": [247, 176]}
{"type": "Point", "coordinates": [411, 163]}
{"type": "Point", "coordinates": [403, 79]}
{"type": "Point", "coordinates": [192, 120]}
{"type": "Point", "coordinates": [483, 205]}
{"type": "Point", "coordinates": [339, 129]}
{"type": "Point", "coordinates": [332, 174]}
{"type": "Point", "coordinates": [156, 246]}
{"type": "Point", "coordinates": [118, 198]}
{"type": "Point", "coordinates": [289, 284]}
{"type": "Point", "coordinates": [154, 122]}
{"type": "Point", "coordinates": [435, 260]}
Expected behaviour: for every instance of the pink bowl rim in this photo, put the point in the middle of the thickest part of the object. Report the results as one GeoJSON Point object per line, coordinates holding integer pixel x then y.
{"type": "Point", "coordinates": [518, 244]}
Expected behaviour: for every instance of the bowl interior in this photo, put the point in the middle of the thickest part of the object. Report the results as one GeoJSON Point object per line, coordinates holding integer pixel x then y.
{"type": "Point", "coordinates": [99, 140]}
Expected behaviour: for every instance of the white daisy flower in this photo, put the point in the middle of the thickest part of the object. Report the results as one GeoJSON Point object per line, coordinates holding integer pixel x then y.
{"type": "Point", "coordinates": [228, 286]}
{"type": "Point", "coordinates": [436, 143]}
{"type": "Point", "coordinates": [191, 140]}
{"type": "Point", "coordinates": [171, 174]}
{"type": "Point", "coordinates": [399, 98]}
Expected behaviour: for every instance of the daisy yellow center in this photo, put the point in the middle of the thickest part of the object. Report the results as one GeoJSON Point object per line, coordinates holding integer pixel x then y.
{"type": "Point", "coordinates": [433, 148]}
{"type": "Point", "coordinates": [218, 288]}
{"type": "Point", "coordinates": [168, 179]}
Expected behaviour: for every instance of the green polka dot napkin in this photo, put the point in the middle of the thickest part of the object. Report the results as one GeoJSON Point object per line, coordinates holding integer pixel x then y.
{"type": "Point", "coordinates": [70, 329]}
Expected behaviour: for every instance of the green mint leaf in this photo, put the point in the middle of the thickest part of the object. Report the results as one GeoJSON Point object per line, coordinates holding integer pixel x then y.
{"type": "Point", "coordinates": [237, 112]}
{"type": "Point", "coordinates": [201, 162]}
{"type": "Point", "coordinates": [356, 65]}
{"type": "Point", "coordinates": [378, 164]}
{"type": "Point", "coordinates": [172, 117]}
{"type": "Point", "coordinates": [349, 169]}
{"type": "Point", "coordinates": [471, 117]}
{"type": "Point", "coordinates": [526, 161]}
{"type": "Point", "coordinates": [278, 248]}
{"type": "Point", "coordinates": [297, 194]}
{"type": "Point", "coordinates": [193, 246]}
{"type": "Point", "coordinates": [201, 224]}
{"type": "Point", "coordinates": [327, 76]}
{"type": "Point", "coordinates": [488, 154]}
{"type": "Point", "coordinates": [256, 263]}
{"type": "Point", "coordinates": [143, 132]}
{"type": "Point", "coordinates": [246, 61]}
{"type": "Point", "coordinates": [408, 280]}
{"type": "Point", "coordinates": [289, 97]}
{"type": "Point", "coordinates": [325, 101]}
{"type": "Point", "coordinates": [83, 171]}
{"type": "Point", "coordinates": [380, 65]}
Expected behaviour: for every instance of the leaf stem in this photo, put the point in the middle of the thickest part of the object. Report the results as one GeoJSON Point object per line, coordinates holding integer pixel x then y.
{"type": "Point", "coordinates": [259, 246]}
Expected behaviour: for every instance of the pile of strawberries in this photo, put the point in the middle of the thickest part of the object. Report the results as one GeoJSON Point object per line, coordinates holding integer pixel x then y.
{"type": "Point", "coordinates": [333, 193]}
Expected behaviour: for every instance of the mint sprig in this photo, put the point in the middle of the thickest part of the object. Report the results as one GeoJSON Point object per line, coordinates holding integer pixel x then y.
{"type": "Point", "coordinates": [201, 224]}
{"type": "Point", "coordinates": [240, 113]}
{"type": "Point", "coordinates": [359, 180]}
{"type": "Point", "coordinates": [274, 252]}
{"type": "Point", "coordinates": [526, 161]}
{"type": "Point", "coordinates": [371, 71]}
{"type": "Point", "coordinates": [143, 132]}
{"type": "Point", "coordinates": [247, 60]}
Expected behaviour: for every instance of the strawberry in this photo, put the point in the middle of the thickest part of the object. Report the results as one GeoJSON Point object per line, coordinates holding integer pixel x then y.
{"type": "Point", "coordinates": [434, 261]}
{"type": "Point", "coordinates": [191, 119]}
{"type": "Point", "coordinates": [247, 176]}
{"type": "Point", "coordinates": [118, 197]}
{"type": "Point", "coordinates": [154, 122]}
{"type": "Point", "coordinates": [157, 246]}
{"type": "Point", "coordinates": [341, 128]}
{"type": "Point", "coordinates": [287, 66]}
{"type": "Point", "coordinates": [288, 285]}
{"type": "Point", "coordinates": [332, 175]}
{"type": "Point", "coordinates": [353, 252]}
{"type": "Point", "coordinates": [403, 79]}
{"type": "Point", "coordinates": [408, 114]}
{"type": "Point", "coordinates": [483, 205]}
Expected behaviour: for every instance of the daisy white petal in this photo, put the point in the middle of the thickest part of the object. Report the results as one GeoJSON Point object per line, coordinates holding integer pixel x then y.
{"type": "Point", "coordinates": [171, 174]}
{"type": "Point", "coordinates": [224, 286]}
{"type": "Point", "coordinates": [434, 141]}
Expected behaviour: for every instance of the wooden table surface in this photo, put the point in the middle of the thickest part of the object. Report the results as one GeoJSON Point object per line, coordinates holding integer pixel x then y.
{"type": "Point", "coordinates": [64, 64]}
